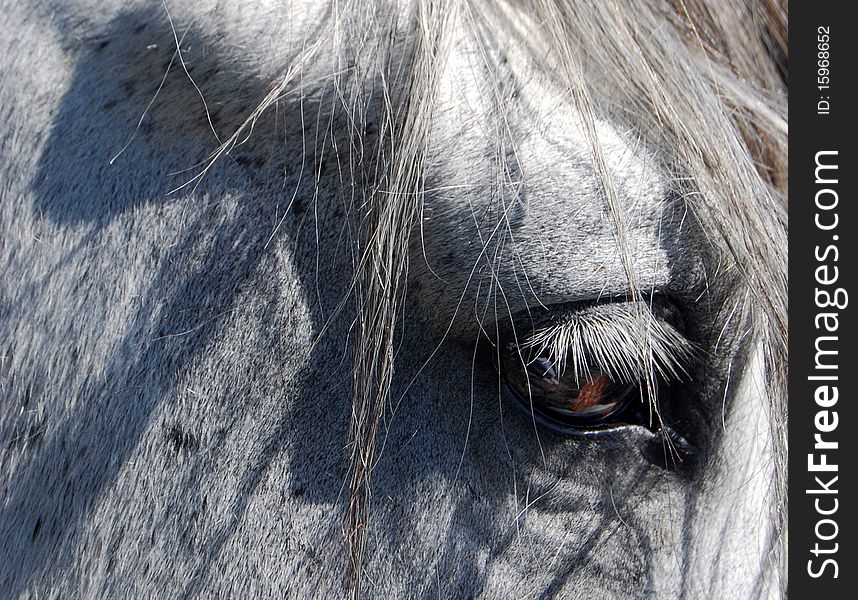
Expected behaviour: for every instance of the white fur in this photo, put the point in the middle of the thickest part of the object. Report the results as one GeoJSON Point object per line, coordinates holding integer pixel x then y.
{"type": "Point", "coordinates": [176, 369]}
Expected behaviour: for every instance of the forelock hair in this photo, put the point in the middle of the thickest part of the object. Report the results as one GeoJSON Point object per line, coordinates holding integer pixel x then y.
{"type": "Point", "coordinates": [702, 82]}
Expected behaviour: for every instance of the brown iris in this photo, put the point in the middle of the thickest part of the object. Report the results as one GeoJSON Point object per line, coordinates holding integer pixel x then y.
{"type": "Point", "coordinates": [560, 398]}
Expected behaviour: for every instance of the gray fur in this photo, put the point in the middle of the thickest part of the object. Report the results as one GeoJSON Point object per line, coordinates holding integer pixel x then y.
{"type": "Point", "coordinates": [267, 382]}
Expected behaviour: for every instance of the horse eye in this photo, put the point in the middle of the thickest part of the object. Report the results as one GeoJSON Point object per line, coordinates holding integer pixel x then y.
{"type": "Point", "coordinates": [561, 400]}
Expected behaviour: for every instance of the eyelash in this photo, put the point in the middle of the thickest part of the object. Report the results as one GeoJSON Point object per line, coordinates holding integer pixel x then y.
{"type": "Point", "coordinates": [608, 341]}
{"type": "Point", "coordinates": [623, 357]}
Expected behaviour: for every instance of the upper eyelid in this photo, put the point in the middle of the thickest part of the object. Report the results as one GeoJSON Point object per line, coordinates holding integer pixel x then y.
{"type": "Point", "coordinates": [627, 341]}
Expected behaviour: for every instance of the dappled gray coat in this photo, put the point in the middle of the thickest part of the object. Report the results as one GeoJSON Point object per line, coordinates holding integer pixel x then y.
{"type": "Point", "coordinates": [396, 299]}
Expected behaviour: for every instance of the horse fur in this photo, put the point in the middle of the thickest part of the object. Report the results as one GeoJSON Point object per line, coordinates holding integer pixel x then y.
{"type": "Point", "coordinates": [251, 254]}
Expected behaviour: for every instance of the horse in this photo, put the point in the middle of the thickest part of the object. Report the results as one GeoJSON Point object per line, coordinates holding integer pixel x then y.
{"type": "Point", "coordinates": [402, 298]}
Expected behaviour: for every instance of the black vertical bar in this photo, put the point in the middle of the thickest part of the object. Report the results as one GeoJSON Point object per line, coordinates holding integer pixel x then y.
{"type": "Point", "coordinates": [823, 230]}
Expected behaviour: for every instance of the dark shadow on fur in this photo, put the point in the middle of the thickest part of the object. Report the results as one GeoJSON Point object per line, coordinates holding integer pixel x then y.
{"type": "Point", "coordinates": [180, 316]}
{"type": "Point", "coordinates": [214, 257]}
